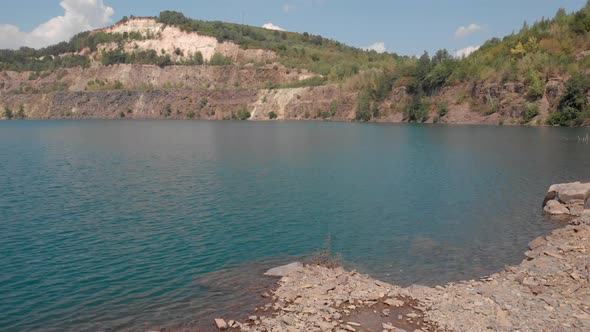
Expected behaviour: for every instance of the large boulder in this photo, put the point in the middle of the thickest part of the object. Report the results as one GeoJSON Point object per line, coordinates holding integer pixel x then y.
{"type": "Point", "coordinates": [567, 198]}
{"type": "Point", "coordinates": [567, 192]}
{"type": "Point", "coordinates": [282, 271]}
{"type": "Point", "coordinates": [555, 208]}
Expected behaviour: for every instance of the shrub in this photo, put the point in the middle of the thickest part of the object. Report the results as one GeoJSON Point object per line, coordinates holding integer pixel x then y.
{"type": "Point", "coordinates": [363, 110]}
{"type": "Point", "coordinates": [168, 110]}
{"type": "Point", "coordinates": [461, 97]}
{"type": "Point", "coordinates": [121, 114]}
{"type": "Point", "coordinates": [243, 114]}
{"type": "Point", "coordinates": [532, 111]}
{"type": "Point", "coordinates": [198, 58]}
{"type": "Point", "coordinates": [8, 113]}
{"type": "Point", "coordinates": [535, 86]}
{"type": "Point", "coordinates": [220, 60]}
{"type": "Point", "coordinates": [204, 101]}
{"type": "Point", "coordinates": [418, 110]}
{"type": "Point", "coordinates": [20, 114]}
{"type": "Point", "coordinates": [443, 109]}
{"type": "Point", "coordinates": [190, 114]}
{"type": "Point", "coordinates": [325, 257]}
{"type": "Point", "coordinates": [572, 108]}
{"type": "Point", "coordinates": [334, 105]}
{"type": "Point", "coordinates": [376, 112]}
{"type": "Point", "coordinates": [272, 115]}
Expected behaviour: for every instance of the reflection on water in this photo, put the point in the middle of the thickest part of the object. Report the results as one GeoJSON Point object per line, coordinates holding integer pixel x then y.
{"type": "Point", "coordinates": [110, 225]}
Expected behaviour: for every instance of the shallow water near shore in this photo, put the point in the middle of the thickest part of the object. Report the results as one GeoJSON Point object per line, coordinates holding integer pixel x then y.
{"type": "Point", "coordinates": [110, 225]}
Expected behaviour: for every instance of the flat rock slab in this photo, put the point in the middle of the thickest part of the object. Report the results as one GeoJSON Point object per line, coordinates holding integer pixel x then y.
{"type": "Point", "coordinates": [566, 192]}
{"type": "Point", "coordinates": [281, 271]}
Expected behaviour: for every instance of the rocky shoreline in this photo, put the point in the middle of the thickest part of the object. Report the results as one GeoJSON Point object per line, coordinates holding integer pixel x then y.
{"type": "Point", "coordinates": [548, 291]}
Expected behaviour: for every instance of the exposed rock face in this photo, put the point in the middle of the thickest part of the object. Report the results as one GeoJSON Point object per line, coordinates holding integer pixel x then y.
{"type": "Point", "coordinates": [567, 198]}
{"type": "Point", "coordinates": [281, 271]}
{"type": "Point", "coordinates": [168, 38]}
{"type": "Point", "coordinates": [311, 103]}
{"type": "Point", "coordinates": [148, 77]}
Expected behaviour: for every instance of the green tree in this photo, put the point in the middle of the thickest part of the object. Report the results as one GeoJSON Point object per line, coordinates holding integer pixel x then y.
{"type": "Point", "coordinates": [363, 107]}
{"type": "Point", "coordinates": [572, 108]}
{"type": "Point", "coordinates": [198, 58]}
{"type": "Point", "coordinates": [417, 111]}
{"type": "Point", "coordinates": [535, 86]}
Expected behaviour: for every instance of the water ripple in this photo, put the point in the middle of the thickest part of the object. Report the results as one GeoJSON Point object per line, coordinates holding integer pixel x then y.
{"type": "Point", "coordinates": [139, 224]}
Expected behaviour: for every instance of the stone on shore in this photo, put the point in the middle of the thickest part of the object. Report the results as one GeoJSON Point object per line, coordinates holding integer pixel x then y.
{"type": "Point", "coordinates": [567, 196]}
{"type": "Point", "coordinates": [221, 324]}
{"type": "Point", "coordinates": [555, 208]}
{"type": "Point", "coordinates": [281, 271]}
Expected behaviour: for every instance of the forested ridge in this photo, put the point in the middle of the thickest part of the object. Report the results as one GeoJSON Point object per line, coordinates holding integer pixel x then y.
{"type": "Point", "coordinates": [556, 47]}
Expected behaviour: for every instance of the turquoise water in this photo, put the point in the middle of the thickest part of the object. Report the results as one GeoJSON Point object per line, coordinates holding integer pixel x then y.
{"type": "Point", "coordinates": [109, 225]}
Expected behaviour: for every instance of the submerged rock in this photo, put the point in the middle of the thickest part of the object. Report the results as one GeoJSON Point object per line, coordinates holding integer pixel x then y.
{"type": "Point", "coordinates": [281, 271]}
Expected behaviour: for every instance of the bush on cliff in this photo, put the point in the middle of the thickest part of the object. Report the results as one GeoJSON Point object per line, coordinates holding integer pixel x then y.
{"type": "Point", "coordinates": [220, 60]}
{"type": "Point", "coordinates": [535, 86]}
{"type": "Point", "coordinates": [418, 110]}
{"type": "Point", "coordinates": [531, 112]}
{"type": "Point", "coordinates": [20, 114]}
{"type": "Point", "coordinates": [363, 107]}
{"type": "Point", "coordinates": [242, 114]}
{"type": "Point", "coordinates": [573, 108]}
{"type": "Point", "coordinates": [8, 113]}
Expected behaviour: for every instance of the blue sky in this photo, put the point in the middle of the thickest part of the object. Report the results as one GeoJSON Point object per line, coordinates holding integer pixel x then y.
{"type": "Point", "coordinates": [403, 26]}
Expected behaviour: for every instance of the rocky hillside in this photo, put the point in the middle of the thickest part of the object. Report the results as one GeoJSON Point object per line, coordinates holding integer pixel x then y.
{"type": "Point", "coordinates": [175, 67]}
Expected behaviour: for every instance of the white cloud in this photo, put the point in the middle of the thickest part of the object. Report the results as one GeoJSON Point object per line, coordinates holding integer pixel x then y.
{"type": "Point", "coordinates": [466, 31]}
{"type": "Point", "coordinates": [378, 47]}
{"type": "Point", "coordinates": [287, 8]}
{"type": "Point", "coordinates": [466, 51]}
{"type": "Point", "coordinates": [79, 15]}
{"type": "Point", "coordinates": [271, 26]}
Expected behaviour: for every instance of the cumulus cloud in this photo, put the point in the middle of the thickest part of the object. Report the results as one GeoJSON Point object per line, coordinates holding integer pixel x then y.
{"type": "Point", "coordinates": [466, 51]}
{"type": "Point", "coordinates": [466, 31]}
{"type": "Point", "coordinates": [378, 47]}
{"type": "Point", "coordinates": [287, 8]}
{"type": "Point", "coordinates": [271, 26]}
{"type": "Point", "coordinates": [79, 15]}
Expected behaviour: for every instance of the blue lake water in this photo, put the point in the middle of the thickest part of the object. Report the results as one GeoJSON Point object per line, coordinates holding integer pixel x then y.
{"type": "Point", "coordinates": [110, 225]}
